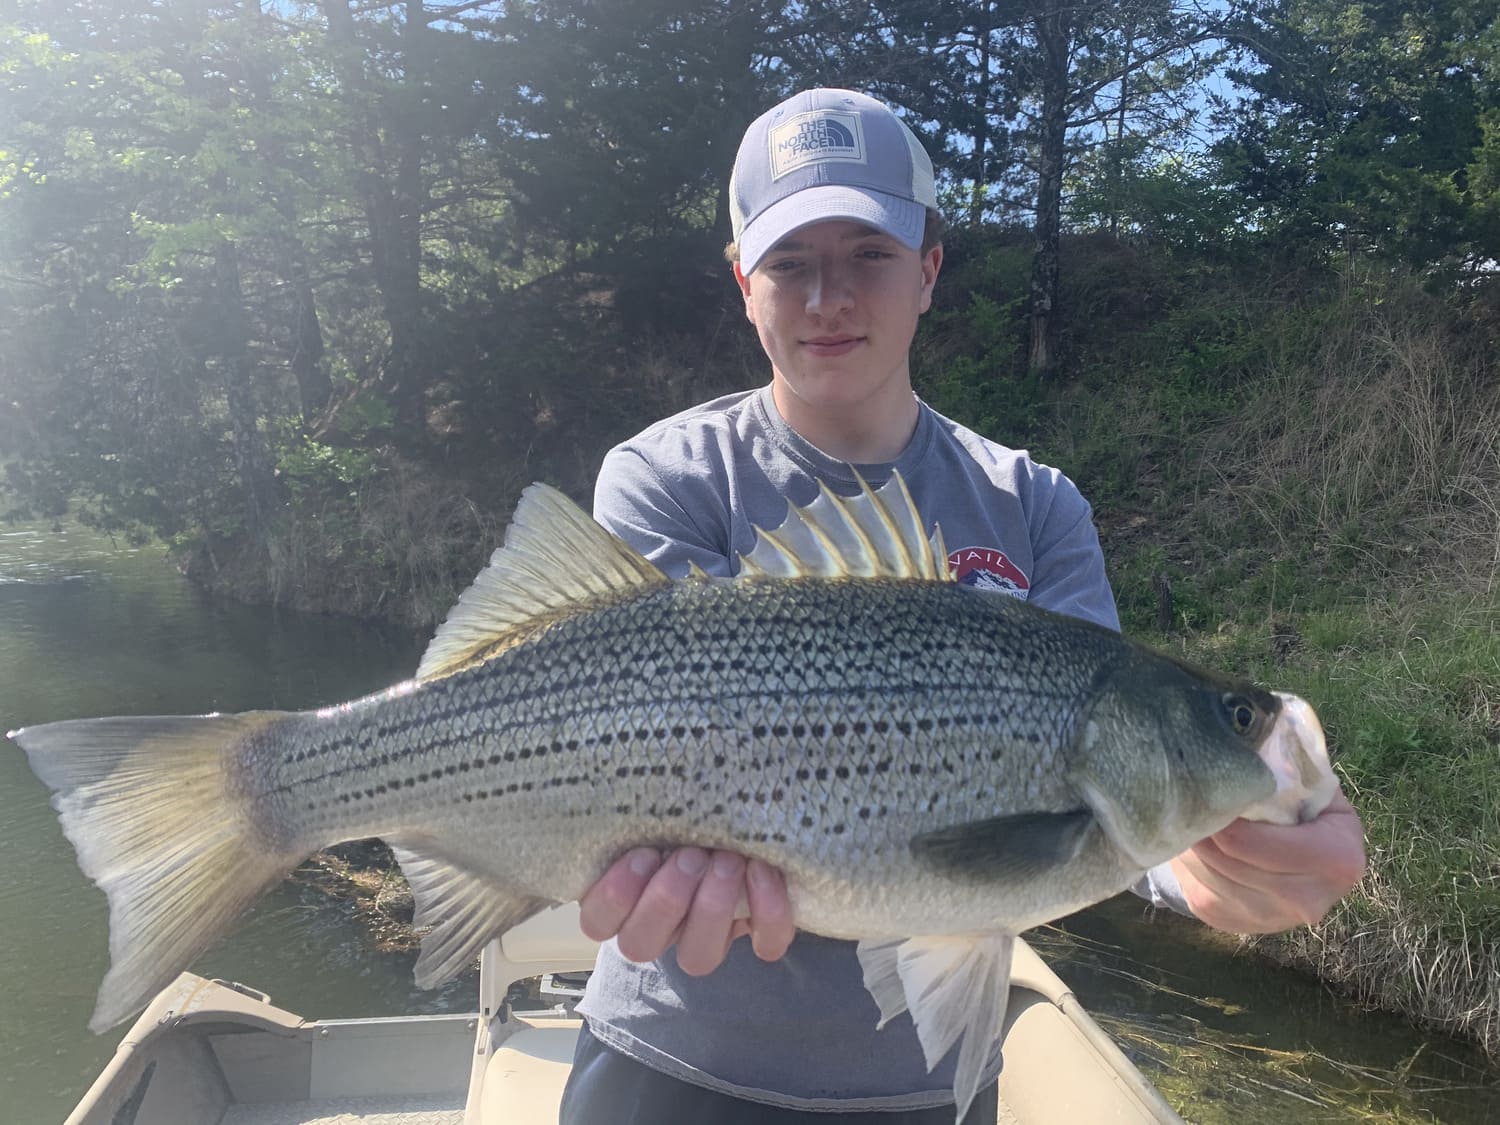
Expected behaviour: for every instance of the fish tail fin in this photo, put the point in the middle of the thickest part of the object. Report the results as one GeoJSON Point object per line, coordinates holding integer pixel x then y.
{"type": "Point", "coordinates": [151, 808]}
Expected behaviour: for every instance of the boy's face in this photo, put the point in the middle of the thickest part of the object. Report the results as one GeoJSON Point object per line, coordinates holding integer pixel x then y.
{"type": "Point", "coordinates": [836, 306]}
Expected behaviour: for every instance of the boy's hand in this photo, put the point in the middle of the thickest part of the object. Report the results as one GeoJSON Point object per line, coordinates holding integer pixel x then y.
{"type": "Point", "coordinates": [1253, 878]}
{"type": "Point", "coordinates": [691, 898]}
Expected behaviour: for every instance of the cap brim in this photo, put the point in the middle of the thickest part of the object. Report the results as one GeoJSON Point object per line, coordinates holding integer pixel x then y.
{"type": "Point", "coordinates": [902, 219]}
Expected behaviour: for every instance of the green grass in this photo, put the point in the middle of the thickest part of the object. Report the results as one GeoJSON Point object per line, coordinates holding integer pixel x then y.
{"type": "Point", "coordinates": [1409, 694]}
{"type": "Point", "coordinates": [1335, 532]}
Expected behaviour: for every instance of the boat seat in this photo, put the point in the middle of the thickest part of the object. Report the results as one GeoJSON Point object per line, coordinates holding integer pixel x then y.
{"type": "Point", "coordinates": [528, 1070]}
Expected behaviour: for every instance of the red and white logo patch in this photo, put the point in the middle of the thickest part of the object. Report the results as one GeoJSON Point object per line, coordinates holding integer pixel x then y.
{"type": "Point", "coordinates": [988, 569]}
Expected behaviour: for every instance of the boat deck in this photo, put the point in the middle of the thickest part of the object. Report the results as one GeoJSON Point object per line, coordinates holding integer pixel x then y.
{"type": "Point", "coordinates": [445, 1109]}
{"type": "Point", "coordinates": [216, 1053]}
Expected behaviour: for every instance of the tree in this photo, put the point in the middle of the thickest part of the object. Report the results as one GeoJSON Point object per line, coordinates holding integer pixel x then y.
{"type": "Point", "coordinates": [1014, 93]}
{"type": "Point", "coordinates": [1364, 129]}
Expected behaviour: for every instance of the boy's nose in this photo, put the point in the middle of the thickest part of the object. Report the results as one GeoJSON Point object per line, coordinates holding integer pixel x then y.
{"type": "Point", "coordinates": [829, 292]}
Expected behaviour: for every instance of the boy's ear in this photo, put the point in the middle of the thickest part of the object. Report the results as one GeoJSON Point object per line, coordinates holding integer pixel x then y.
{"type": "Point", "coordinates": [744, 283]}
{"type": "Point", "coordinates": [932, 264]}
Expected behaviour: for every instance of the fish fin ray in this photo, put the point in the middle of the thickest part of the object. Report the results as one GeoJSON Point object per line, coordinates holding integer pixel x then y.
{"type": "Point", "coordinates": [463, 910]}
{"type": "Point", "coordinates": [149, 806]}
{"type": "Point", "coordinates": [956, 989]}
{"type": "Point", "coordinates": [881, 969]}
{"type": "Point", "coordinates": [556, 561]}
{"type": "Point", "coordinates": [876, 533]}
{"type": "Point", "coordinates": [1022, 845]}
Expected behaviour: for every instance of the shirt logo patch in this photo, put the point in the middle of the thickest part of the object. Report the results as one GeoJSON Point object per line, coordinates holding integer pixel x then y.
{"type": "Point", "coordinates": [826, 134]}
{"type": "Point", "coordinates": [988, 569]}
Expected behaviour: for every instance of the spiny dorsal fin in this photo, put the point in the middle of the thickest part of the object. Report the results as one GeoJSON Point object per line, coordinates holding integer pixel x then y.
{"type": "Point", "coordinates": [556, 560]}
{"type": "Point", "coordinates": [876, 534]}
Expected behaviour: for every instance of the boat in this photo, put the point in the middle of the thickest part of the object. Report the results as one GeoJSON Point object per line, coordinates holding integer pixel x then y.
{"type": "Point", "coordinates": [213, 1052]}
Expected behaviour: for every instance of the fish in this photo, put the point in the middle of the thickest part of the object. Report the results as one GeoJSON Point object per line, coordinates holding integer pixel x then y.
{"type": "Point", "coordinates": [934, 767]}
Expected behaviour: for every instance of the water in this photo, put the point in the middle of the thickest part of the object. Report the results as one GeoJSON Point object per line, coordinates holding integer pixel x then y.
{"type": "Point", "coordinates": [88, 627]}
{"type": "Point", "coordinates": [1234, 1040]}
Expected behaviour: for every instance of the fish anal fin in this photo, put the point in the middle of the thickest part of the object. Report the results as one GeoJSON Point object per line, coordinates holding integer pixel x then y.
{"type": "Point", "coordinates": [956, 989]}
{"type": "Point", "coordinates": [1019, 846]}
{"type": "Point", "coordinates": [464, 910]}
{"type": "Point", "coordinates": [556, 562]}
{"type": "Point", "coordinates": [876, 533]}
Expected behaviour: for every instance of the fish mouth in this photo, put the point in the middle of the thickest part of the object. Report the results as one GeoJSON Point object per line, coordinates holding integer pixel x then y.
{"type": "Point", "coordinates": [1296, 753]}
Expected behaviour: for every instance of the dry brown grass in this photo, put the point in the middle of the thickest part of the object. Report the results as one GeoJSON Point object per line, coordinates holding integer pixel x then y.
{"type": "Point", "coordinates": [1382, 443]}
{"type": "Point", "coordinates": [401, 549]}
{"type": "Point", "coordinates": [1394, 958]}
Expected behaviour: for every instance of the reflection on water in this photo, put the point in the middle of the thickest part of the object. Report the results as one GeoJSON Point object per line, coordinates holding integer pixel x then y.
{"type": "Point", "coordinates": [91, 628]}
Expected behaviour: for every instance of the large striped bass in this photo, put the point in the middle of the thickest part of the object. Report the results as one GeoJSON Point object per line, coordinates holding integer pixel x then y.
{"type": "Point", "coordinates": [934, 767]}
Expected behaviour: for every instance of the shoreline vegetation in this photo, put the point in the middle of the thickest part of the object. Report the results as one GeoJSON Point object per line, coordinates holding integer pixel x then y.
{"type": "Point", "coordinates": [1299, 486]}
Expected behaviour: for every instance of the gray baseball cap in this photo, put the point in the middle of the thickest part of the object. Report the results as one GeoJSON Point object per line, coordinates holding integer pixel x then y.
{"type": "Point", "coordinates": [828, 154]}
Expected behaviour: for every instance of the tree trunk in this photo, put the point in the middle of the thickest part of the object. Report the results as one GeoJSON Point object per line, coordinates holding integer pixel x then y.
{"type": "Point", "coordinates": [1117, 163]}
{"type": "Point", "coordinates": [314, 388]}
{"type": "Point", "coordinates": [986, 29]}
{"type": "Point", "coordinates": [1053, 33]}
{"type": "Point", "coordinates": [738, 77]}
{"type": "Point", "coordinates": [402, 287]}
{"type": "Point", "coordinates": [393, 211]}
{"type": "Point", "coordinates": [252, 460]}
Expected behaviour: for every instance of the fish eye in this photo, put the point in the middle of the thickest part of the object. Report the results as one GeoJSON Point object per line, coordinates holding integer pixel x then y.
{"type": "Point", "coordinates": [1240, 712]}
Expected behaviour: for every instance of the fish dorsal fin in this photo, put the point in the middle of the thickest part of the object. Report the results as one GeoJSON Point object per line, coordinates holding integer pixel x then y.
{"type": "Point", "coordinates": [874, 534]}
{"type": "Point", "coordinates": [555, 562]}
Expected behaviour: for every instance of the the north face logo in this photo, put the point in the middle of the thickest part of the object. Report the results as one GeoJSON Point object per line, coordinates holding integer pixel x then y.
{"type": "Point", "coordinates": [820, 134]}
{"type": "Point", "coordinates": [824, 135]}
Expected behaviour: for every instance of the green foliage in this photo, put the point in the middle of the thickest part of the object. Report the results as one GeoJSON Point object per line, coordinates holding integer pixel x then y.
{"type": "Point", "coordinates": [1364, 129]}
{"type": "Point", "coordinates": [970, 349]}
{"type": "Point", "coordinates": [309, 466]}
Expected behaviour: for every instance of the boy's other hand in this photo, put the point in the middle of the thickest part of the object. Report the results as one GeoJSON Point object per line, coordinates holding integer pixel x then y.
{"type": "Point", "coordinates": [1253, 878]}
{"type": "Point", "coordinates": [692, 898]}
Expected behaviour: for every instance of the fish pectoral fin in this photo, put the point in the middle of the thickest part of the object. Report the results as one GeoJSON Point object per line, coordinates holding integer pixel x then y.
{"type": "Point", "coordinates": [556, 561]}
{"type": "Point", "coordinates": [464, 911]}
{"type": "Point", "coordinates": [955, 988]}
{"type": "Point", "coordinates": [1022, 845]}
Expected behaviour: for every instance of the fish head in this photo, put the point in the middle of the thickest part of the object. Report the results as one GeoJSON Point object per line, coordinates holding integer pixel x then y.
{"type": "Point", "coordinates": [1170, 754]}
{"type": "Point", "coordinates": [1296, 753]}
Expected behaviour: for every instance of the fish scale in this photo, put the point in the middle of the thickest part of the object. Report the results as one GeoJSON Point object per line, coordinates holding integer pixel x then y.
{"type": "Point", "coordinates": [805, 721]}
{"type": "Point", "coordinates": [933, 767]}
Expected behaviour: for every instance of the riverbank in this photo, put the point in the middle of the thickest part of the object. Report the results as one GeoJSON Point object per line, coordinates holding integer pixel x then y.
{"type": "Point", "coordinates": [1330, 524]}
{"type": "Point", "coordinates": [1296, 478]}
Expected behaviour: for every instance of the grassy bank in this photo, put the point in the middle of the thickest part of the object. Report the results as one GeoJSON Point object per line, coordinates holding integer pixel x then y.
{"type": "Point", "coordinates": [1320, 510]}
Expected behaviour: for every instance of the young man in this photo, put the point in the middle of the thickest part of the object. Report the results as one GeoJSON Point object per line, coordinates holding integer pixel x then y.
{"type": "Point", "coordinates": [836, 252]}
